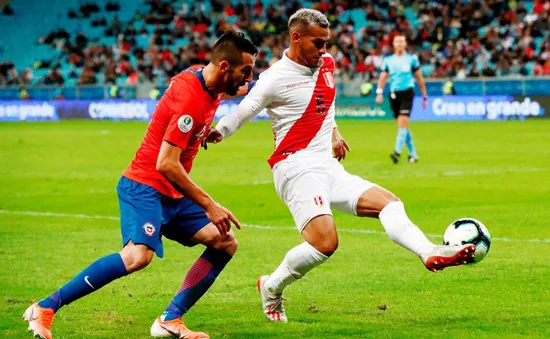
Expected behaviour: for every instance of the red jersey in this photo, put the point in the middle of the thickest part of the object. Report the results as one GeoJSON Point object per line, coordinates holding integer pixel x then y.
{"type": "Point", "coordinates": [182, 117]}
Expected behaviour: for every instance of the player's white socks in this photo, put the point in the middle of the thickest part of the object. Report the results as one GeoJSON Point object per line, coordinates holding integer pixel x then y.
{"type": "Point", "coordinates": [297, 262]}
{"type": "Point", "coordinates": [402, 230]}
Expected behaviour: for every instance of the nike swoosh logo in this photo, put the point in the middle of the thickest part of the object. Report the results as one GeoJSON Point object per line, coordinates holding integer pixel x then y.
{"type": "Point", "coordinates": [30, 317]}
{"type": "Point", "coordinates": [167, 330]}
{"type": "Point", "coordinates": [88, 282]}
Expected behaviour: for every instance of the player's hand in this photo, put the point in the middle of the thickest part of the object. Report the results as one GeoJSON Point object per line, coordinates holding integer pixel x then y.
{"type": "Point", "coordinates": [339, 147]}
{"type": "Point", "coordinates": [379, 99]}
{"type": "Point", "coordinates": [212, 137]}
{"type": "Point", "coordinates": [425, 102]}
{"type": "Point", "coordinates": [221, 217]}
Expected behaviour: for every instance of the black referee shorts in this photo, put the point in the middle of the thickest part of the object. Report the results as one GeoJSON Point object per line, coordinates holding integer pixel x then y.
{"type": "Point", "coordinates": [402, 102]}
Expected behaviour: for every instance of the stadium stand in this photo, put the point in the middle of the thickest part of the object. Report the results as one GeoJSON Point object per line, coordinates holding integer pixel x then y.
{"type": "Point", "coordinates": [106, 42]}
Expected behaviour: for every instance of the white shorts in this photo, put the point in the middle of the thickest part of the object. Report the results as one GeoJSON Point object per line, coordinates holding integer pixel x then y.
{"type": "Point", "coordinates": [312, 187]}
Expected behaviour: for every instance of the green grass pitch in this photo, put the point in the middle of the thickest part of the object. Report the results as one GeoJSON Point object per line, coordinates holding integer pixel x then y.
{"type": "Point", "coordinates": [59, 210]}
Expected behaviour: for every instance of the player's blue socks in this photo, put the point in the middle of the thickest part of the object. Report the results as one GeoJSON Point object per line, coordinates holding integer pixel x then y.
{"type": "Point", "coordinates": [98, 274]}
{"type": "Point", "coordinates": [410, 144]}
{"type": "Point", "coordinates": [400, 139]}
{"type": "Point", "coordinates": [198, 280]}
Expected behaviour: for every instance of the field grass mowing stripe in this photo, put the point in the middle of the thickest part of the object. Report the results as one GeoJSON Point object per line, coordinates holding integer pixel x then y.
{"type": "Point", "coordinates": [286, 228]}
{"type": "Point", "coordinates": [429, 175]}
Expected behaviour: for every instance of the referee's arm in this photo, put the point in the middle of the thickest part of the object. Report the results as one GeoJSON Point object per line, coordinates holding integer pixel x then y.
{"type": "Point", "coordinates": [380, 87]}
{"type": "Point", "coordinates": [422, 85]}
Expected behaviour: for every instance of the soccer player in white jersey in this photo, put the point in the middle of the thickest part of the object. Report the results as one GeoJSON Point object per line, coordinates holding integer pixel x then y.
{"type": "Point", "coordinates": [298, 92]}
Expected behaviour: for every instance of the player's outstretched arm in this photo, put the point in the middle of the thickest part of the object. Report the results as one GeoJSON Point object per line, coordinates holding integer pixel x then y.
{"type": "Point", "coordinates": [260, 97]}
{"type": "Point", "coordinates": [168, 164]}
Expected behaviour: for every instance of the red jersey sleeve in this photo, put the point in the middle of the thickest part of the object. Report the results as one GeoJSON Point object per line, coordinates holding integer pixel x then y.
{"type": "Point", "coordinates": [185, 110]}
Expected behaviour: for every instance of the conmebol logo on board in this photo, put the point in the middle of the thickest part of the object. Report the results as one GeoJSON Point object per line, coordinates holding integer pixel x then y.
{"type": "Point", "coordinates": [119, 110]}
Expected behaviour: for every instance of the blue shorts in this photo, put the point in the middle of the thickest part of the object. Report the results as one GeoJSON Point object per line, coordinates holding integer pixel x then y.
{"type": "Point", "coordinates": [146, 215]}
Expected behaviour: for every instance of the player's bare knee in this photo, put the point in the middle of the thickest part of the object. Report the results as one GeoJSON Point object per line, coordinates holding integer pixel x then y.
{"type": "Point", "coordinates": [227, 243]}
{"type": "Point", "coordinates": [139, 263]}
{"type": "Point", "coordinates": [326, 245]}
{"type": "Point", "coordinates": [136, 257]}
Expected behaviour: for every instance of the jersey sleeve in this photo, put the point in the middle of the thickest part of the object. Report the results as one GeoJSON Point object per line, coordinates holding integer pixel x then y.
{"type": "Point", "coordinates": [415, 63]}
{"type": "Point", "coordinates": [385, 67]}
{"type": "Point", "coordinates": [259, 97]}
{"type": "Point", "coordinates": [184, 112]}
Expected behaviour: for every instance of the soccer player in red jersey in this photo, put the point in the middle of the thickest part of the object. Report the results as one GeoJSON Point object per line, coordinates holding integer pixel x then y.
{"type": "Point", "coordinates": [158, 198]}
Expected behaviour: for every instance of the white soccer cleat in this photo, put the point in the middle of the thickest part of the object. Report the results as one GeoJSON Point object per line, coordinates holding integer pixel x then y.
{"type": "Point", "coordinates": [271, 303]}
{"type": "Point", "coordinates": [174, 329]}
{"type": "Point", "coordinates": [40, 321]}
{"type": "Point", "coordinates": [444, 256]}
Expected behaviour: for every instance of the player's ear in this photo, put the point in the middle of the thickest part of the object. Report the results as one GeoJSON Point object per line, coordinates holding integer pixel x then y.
{"type": "Point", "coordinates": [224, 66]}
{"type": "Point", "coordinates": [295, 36]}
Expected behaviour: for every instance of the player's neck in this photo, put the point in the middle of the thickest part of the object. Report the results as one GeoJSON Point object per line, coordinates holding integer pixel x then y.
{"type": "Point", "coordinates": [292, 55]}
{"type": "Point", "coordinates": [399, 53]}
{"type": "Point", "coordinates": [209, 74]}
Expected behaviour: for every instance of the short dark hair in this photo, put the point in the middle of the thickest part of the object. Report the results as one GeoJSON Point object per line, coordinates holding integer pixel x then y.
{"type": "Point", "coordinates": [231, 46]}
{"type": "Point", "coordinates": [305, 16]}
{"type": "Point", "coordinates": [403, 34]}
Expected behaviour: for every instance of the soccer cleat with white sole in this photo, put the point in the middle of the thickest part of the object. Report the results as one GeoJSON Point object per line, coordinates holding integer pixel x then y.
{"type": "Point", "coordinates": [174, 329]}
{"type": "Point", "coordinates": [444, 256]}
{"type": "Point", "coordinates": [40, 321]}
{"type": "Point", "coordinates": [272, 304]}
{"type": "Point", "coordinates": [413, 160]}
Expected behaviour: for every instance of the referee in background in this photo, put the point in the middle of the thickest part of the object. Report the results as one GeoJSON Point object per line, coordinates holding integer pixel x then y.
{"type": "Point", "coordinates": [400, 68]}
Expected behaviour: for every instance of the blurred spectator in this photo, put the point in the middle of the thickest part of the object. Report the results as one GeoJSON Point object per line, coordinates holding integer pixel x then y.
{"type": "Point", "coordinates": [24, 94]}
{"type": "Point", "coordinates": [58, 94]}
{"type": "Point", "coordinates": [7, 10]}
{"type": "Point", "coordinates": [88, 8]}
{"type": "Point", "coordinates": [474, 73]}
{"type": "Point", "coordinates": [112, 6]}
{"type": "Point", "coordinates": [27, 77]}
{"type": "Point", "coordinates": [54, 78]}
{"type": "Point", "coordinates": [81, 41]}
{"type": "Point", "coordinates": [488, 71]}
{"type": "Point", "coordinates": [88, 77]}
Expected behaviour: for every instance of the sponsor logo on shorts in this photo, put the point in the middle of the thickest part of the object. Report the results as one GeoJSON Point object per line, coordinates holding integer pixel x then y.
{"type": "Point", "coordinates": [318, 200]}
{"type": "Point", "coordinates": [149, 229]}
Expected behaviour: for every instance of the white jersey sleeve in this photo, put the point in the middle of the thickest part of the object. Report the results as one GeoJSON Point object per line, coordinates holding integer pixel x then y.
{"type": "Point", "coordinates": [253, 103]}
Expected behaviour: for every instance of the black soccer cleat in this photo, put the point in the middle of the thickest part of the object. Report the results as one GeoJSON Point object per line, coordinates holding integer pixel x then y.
{"type": "Point", "coordinates": [395, 157]}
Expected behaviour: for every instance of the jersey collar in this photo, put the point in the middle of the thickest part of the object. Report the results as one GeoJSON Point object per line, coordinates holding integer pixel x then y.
{"type": "Point", "coordinates": [203, 83]}
{"type": "Point", "coordinates": [301, 68]}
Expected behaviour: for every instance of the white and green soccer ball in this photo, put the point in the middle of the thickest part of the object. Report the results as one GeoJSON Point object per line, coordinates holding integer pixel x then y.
{"type": "Point", "coordinates": [469, 231]}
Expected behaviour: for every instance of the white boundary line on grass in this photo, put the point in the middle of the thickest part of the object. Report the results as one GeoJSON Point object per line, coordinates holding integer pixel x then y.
{"type": "Point", "coordinates": [286, 228]}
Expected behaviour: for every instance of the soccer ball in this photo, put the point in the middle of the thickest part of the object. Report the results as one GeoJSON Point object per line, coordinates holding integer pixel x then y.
{"type": "Point", "coordinates": [469, 231]}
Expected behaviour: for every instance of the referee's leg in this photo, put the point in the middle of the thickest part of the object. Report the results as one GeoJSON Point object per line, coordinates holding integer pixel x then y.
{"type": "Point", "coordinates": [403, 122]}
{"type": "Point", "coordinates": [396, 103]}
